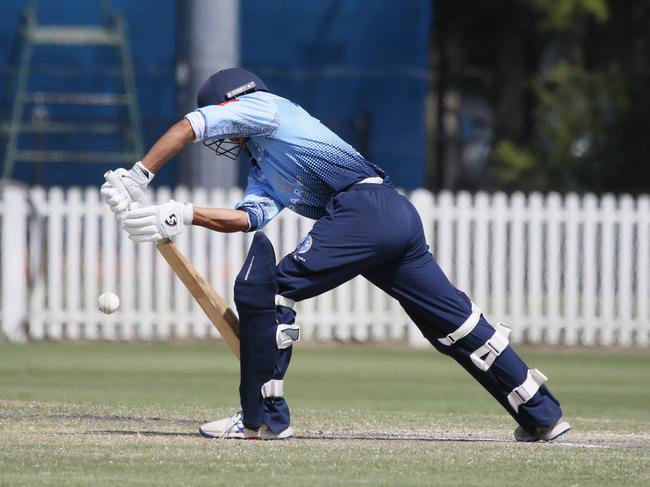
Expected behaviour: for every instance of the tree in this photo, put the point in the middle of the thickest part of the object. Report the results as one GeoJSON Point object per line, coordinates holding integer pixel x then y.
{"type": "Point", "coordinates": [591, 101]}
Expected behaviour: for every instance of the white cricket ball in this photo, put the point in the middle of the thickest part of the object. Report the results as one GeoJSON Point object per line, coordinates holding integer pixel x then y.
{"type": "Point", "coordinates": [108, 303]}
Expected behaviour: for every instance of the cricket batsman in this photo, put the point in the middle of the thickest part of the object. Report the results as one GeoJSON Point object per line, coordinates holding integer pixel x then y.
{"type": "Point", "coordinates": [299, 164]}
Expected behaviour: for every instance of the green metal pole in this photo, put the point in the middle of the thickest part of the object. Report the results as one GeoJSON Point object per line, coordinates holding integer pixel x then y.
{"type": "Point", "coordinates": [130, 88]}
{"type": "Point", "coordinates": [19, 100]}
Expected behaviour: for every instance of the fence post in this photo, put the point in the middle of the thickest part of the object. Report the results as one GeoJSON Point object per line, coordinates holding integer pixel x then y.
{"type": "Point", "coordinates": [14, 262]}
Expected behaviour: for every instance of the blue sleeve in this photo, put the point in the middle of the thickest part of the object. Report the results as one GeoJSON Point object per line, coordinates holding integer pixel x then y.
{"type": "Point", "coordinates": [249, 115]}
{"type": "Point", "coordinates": [258, 201]}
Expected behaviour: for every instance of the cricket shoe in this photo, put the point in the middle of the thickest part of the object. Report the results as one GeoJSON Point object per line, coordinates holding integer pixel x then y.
{"type": "Point", "coordinates": [233, 428]}
{"type": "Point", "coordinates": [543, 434]}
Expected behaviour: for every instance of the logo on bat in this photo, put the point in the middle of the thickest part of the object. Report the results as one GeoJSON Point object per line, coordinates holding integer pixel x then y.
{"type": "Point", "coordinates": [171, 219]}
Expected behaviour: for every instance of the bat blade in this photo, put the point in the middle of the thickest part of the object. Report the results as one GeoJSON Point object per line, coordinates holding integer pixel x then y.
{"type": "Point", "coordinates": [220, 315]}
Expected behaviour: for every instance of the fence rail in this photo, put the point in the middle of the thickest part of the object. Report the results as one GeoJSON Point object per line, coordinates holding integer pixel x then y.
{"type": "Point", "coordinates": [571, 270]}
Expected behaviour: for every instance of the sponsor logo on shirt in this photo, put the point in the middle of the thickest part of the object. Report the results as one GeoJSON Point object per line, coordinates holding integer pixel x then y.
{"type": "Point", "coordinates": [303, 247]}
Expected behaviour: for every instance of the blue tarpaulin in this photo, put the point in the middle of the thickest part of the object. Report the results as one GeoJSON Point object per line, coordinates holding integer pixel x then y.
{"type": "Point", "coordinates": [360, 66]}
{"type": "Point", "coordinates": [151, 27]}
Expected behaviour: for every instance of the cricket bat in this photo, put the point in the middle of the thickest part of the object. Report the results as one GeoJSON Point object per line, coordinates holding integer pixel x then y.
{"type": "Point", "coordinates": [220, 315]}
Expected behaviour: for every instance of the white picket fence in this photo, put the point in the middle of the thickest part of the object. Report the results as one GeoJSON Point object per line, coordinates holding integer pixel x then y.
{"type": "Point", "coordinates": [570, 270]}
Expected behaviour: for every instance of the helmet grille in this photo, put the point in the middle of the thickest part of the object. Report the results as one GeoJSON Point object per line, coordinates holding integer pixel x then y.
{"type": "Point", "coordinates": [224, 147]}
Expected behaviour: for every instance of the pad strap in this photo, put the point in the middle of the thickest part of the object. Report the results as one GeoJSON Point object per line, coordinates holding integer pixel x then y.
{"type": "Point", "coordinates": [524, 393]}
{"type": "Point", "coordinates": [282, 301]}
{"type": "Point", "coordinates": [483, 357]}
{"type": "Point", "coordinates": [464, 329]}
{"type": "Point", "coordinates": [273, 388]}
{"type": "Point", "coordinates": [286, 335]}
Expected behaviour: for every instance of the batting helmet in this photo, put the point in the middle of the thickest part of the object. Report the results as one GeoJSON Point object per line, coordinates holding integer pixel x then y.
{"type": "Point", "coordinates": [227, 84]}
{"type": "Point", "coordinates": [222, 86]}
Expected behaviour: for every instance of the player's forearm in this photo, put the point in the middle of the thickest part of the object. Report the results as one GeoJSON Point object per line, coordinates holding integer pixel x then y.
{"type": "Point", "coordinates": [170, 144]}
{"type": "Point", "coordinates": [221, 219]}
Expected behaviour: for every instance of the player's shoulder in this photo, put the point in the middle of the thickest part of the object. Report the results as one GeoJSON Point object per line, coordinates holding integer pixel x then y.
{"type": "Point", "coordinates": [279, 101]}
{"type": "Point", "coordinates": [259, 97]}
{"type": "Point", "coordinates": [257, 101]}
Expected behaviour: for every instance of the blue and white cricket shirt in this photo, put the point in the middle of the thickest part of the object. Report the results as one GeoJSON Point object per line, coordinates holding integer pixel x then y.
{"type": "Point", "coordinates": [300, 163]}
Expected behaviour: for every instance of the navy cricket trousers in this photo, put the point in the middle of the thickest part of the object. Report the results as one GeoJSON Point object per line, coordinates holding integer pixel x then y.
{"type": "Point", "coordinates": [372, 230]}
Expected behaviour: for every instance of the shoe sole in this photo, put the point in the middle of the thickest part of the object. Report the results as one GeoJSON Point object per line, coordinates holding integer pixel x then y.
{"type": "Point", "coordinates": [207, 434]}
{"type": "Point", "coordinates": [558, 430]}
{"type": "Point", "coordinates": [554, 433]}
{"type": "Point", "coordinates": [283, 435]}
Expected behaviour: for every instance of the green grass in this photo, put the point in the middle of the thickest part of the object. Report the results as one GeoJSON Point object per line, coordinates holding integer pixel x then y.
{"type": "Point", "coordinates": [116, 414]}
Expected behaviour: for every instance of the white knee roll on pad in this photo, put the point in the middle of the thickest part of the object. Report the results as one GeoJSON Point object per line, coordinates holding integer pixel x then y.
{"type": "Point", "coordinates": [273, 388]}
{"type": "Point", "coordinates": [483, 357]}
{"type": "Point", "coordinates": [524, 393]}
{"type": "Point", "coordinates": [286, 335]}
{"type": "Point", "coordinates": [464, 329]}
{"type": "Point", "coordinates": [282, 301]}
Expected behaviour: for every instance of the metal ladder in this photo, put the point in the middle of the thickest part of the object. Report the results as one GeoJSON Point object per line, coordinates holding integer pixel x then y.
{"type": "Point", "coordinates": [110, 35]}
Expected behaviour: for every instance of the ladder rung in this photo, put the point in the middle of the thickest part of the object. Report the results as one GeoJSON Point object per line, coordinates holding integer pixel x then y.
{"type": "Point", "coordinates": [70, 127]}
{"type": "Point", "coordinates": [68, 71]}
{"type": "Point", "coordinates": [73, 35]}
{"type": "Point", "coordinates": [52, 98]}
{"type": "Point", "coordinates": [72, 156]}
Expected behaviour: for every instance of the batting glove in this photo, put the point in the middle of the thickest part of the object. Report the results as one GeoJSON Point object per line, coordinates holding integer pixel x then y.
{"type": "Point", "coordinates": [153, 223]}
{"type": "Point", "coordinates": [134, 182]}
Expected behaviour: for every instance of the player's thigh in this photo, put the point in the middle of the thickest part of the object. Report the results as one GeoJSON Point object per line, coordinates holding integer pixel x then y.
{"type": "Point", "coordinates": [348, 241]}
{"type": "Point", "coordinates": [425, 292]}
{"type": "Point", "coordinates": [335, 251]}
{"type": "Point", "coordinates": [326, 258]}
{"type": "Point", "coordinates": [297, 281]}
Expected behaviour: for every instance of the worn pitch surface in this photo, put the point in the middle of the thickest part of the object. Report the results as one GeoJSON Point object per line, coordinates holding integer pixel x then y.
{"type": "Point", "coordinates": [118, 414]}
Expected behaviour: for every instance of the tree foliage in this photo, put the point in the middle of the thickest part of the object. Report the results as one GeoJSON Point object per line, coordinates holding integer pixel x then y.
{"type": "Point", "coordinates": [567, 15]}
{"type": "Point", "coordinates": [591, 101]}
